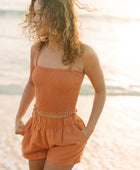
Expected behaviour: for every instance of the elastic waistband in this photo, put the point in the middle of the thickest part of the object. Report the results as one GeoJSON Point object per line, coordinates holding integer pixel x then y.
{"type": "Point", "coordinates": [47, 111]}
{"type": "Point", "coordinates": [52, 122]}
{"type": "Point", "coordinates": [54, 116]}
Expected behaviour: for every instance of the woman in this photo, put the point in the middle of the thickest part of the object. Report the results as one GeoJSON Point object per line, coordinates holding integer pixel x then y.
{"type": "Point", "coordinates": [55, 136]}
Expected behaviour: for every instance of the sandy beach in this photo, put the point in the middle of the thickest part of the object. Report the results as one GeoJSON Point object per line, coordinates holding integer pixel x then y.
{"type": "Point", "coordinates": [113, 145]}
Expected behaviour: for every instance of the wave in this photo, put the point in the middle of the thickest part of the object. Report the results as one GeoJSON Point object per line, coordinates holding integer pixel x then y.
{"type": "Point", "coordinates": [85, 90]}
{"type": "Point", "coordinates": [9, 37]}
{"type": "Point", "coordinates": [11, 12]}
{"type": "Point", "coordinates": [101, 16]}
{"type": "Point", "coordinates": [109, 17]}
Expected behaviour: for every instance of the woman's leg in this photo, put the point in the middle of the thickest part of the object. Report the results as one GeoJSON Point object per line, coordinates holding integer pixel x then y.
{"type": "Point", "coordinates": [37, 164]}
{"type": "Point", "coordinates": [50, 166]}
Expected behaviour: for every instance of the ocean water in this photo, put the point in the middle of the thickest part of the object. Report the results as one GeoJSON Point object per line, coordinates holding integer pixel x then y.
{"type": "Point", "coordinates": [114, 36]}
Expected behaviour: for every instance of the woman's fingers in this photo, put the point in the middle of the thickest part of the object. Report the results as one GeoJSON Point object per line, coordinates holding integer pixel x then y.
{"type": "Point", "coordinates": [19, 125]}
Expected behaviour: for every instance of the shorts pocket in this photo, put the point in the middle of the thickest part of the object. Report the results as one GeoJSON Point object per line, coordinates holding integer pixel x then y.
{"type": "Point", "coordinates": [83, 136]}
{"type": "Point", "coordinates": [81, 126]}
{"type": "Point", "coordinates": [25, 126]}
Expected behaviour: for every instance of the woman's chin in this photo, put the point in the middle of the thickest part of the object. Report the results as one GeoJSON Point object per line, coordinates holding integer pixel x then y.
{"type": "Point", "coordinates": [38, 33]}
{"type": "Point", "coordinates": [41, 34]}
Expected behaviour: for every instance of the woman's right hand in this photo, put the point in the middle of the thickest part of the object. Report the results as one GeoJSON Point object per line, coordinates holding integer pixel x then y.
{"type": "Point", "coordinates": [19, 126]}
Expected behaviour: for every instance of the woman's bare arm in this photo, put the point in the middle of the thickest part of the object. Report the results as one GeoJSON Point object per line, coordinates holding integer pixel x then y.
{"type": "Point", "coordinates": [28, 93]}
{"type": "Point", "coordinates": [93, 70]}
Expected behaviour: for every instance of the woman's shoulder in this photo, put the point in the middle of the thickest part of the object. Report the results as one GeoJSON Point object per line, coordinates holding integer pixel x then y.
{"type": "Point", "coordinates": [90, 59]}
{"type": "Point", "coordinates": [89, 53]}
{"type": "Point", "coordinates": [87, 49]}
{"type": "Point", "coordinates": [34, 47]}
{"type": "Point", "coordinates": [33, 52]}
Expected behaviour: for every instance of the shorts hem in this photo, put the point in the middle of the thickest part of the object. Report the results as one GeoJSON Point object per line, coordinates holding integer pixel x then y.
{"type": "Point", "coordinates": [64, 163]}
{"type": "Point", "coordinates": [34, 157]}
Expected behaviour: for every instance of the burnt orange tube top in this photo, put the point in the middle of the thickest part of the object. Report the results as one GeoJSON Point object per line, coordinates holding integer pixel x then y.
{"type": "Point", "coordinates": [56, 90]}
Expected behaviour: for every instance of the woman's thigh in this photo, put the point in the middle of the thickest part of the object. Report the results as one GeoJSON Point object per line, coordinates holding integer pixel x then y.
{"type": "Point", "coordinates": [37, 164]}
{"type": "Point", "coordinates": [50, 166]}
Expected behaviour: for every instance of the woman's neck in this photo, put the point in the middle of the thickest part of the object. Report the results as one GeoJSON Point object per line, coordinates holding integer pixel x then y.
{"type": "Point", "coordinates": [53, 45]}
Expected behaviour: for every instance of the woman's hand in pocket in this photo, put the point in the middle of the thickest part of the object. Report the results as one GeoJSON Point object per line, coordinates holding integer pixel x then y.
{"type": "Point", "coordinates": [85, 133]}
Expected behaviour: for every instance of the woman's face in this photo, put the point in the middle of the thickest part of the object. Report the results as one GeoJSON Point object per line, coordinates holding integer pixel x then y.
{"type": "Point", "coordinates": [44, 29]}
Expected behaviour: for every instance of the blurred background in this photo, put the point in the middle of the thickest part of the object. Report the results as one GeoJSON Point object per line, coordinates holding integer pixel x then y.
{"type": "Point", "coordinates": [113, 31]}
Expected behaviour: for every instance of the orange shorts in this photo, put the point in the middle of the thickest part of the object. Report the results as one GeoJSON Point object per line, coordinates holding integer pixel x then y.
{"type": "Point", "coordinates": [60, 141]}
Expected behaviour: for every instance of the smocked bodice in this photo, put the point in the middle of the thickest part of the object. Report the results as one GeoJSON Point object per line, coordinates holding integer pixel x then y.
{"type": "Point", "coordinates": [56, 90]}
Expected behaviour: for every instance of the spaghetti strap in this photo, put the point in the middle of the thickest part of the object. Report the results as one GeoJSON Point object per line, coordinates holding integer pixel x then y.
{"type": "Point", "coordinates": [37, 56]}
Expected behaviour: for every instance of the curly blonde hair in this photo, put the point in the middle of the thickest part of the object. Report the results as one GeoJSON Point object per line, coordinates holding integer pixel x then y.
{"type": "Point", "coordinates": [63, 26]}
